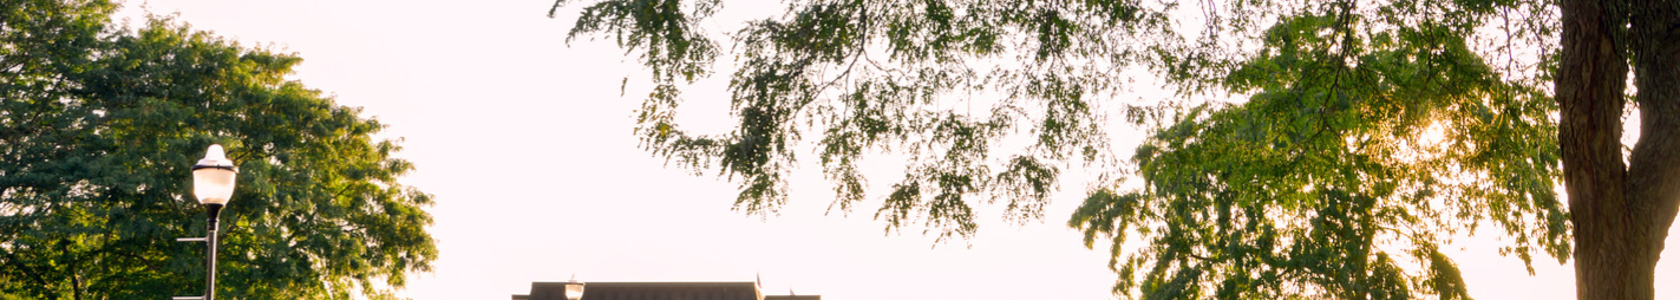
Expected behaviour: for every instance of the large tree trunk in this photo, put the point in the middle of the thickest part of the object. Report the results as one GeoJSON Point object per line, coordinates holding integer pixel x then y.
{"type": "Point", "coordinates": [1590, 81]}
{"type": "Point", "coordinates": [1621, 215]}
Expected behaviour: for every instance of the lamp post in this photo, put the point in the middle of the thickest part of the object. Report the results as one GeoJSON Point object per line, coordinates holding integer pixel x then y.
{"type": "Point", "coordinates": [213, 179]}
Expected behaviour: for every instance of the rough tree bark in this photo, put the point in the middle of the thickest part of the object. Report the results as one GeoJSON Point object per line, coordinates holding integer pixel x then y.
{"type": "Point", "coordinates": [1621, 212]}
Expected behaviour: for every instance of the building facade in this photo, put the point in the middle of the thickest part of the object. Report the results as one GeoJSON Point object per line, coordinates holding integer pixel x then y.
{"type": "Point", "coordinates": [744, 290]}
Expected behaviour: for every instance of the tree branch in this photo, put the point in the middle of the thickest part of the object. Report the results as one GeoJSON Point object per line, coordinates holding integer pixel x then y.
{"type": "Point", "coordinates": [1653, 178]}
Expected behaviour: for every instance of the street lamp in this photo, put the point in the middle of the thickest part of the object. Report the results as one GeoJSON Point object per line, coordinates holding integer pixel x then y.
{"type": "Point", "coordinates": [213, 179]}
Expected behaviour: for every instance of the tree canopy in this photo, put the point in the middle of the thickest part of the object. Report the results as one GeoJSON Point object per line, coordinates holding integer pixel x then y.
{"type": "Point", "coordinates": [1308, 149]}
{"type": "Point", "coordinates": [100, 124]}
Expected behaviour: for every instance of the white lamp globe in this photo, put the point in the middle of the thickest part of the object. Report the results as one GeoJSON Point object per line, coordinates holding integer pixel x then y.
{"type": "Point", "coordinates": [213, 177]}
{"type": "Point", "coordinates": [574, 290]}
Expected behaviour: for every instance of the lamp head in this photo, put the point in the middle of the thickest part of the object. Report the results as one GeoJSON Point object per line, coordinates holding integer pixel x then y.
{"type": "Point", "coordinates": [213, 177]}
{"type": "Point", "coordinates": [574, 290]}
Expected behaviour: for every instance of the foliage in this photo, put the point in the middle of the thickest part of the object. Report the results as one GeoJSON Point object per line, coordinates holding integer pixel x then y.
{"type": "Point", "coordinates": [876, 76]}
{"type": "Point", "coordinates": [1369, 140]}
{"type": "Point", "coordinates": [1371, 133]}
{"type": "Point", "coordinates": [99, 134]}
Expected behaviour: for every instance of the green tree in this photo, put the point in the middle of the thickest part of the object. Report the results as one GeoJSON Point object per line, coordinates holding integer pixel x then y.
{"type": "Point", "coordinates": [1364, 135]}
{"type": "Point", "coordinates": [100, 126]}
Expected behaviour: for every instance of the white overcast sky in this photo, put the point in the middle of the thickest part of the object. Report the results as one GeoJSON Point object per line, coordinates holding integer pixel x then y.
{"type": "Point", "coordinates": [527, 146]}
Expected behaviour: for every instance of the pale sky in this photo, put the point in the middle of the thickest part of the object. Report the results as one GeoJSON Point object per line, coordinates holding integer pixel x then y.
{"type": "Point", "coordinates": [527, 146]}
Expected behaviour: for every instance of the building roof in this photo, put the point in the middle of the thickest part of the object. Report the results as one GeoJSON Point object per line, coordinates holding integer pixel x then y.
{"type": "Point", "coordinates": [649, 291]}
{"type": "Point", "coordinates": [793, 297]}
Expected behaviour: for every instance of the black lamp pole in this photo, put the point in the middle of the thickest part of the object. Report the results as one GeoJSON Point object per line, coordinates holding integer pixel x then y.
{"type": "Point", "coordinates": [212, 210]}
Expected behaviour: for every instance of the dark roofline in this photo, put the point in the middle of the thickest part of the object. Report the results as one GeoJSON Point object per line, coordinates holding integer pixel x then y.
{"type": "Point", "coordinates": [601, 290]}
{"type": "Point", "coordinates": [669, 284]}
